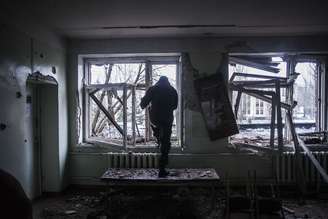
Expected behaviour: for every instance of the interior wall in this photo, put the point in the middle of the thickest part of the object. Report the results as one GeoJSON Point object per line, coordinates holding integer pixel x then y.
{"type": "Point", "coordinates": [48, 121]}
{"type": "Point", "coordinates": [87, 163]}
{"type": "Point", "coordinates": [21, 52]}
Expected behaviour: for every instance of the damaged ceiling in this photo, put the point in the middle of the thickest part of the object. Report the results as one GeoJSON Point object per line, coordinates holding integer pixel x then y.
{"type": "Point", "coordinates": [145, 18]}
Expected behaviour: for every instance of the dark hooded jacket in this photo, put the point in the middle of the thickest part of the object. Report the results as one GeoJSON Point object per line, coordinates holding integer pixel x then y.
{"type": "Point", "coordinates": [163, 99]}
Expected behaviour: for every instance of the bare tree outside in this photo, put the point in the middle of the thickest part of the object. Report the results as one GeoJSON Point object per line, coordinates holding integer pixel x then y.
{"type": "Point", "coordinates": [133, 73]}
{"type": "Point", "coordinates": [305, 94]}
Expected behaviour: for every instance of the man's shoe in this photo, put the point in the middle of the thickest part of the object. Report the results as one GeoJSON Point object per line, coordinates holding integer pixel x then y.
{"type": "Point", "coordinates": [163, 173]}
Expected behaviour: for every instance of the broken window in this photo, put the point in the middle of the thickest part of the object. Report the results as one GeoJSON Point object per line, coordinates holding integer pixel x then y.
{"type": "Point", "coordinates": [253, 94]}
{"type": "Point", "coordinates": [254, 114]}
{"type": "Point", "coordinates": [305, 93]}
{"type": "Point", "coordinates": [113, 91]}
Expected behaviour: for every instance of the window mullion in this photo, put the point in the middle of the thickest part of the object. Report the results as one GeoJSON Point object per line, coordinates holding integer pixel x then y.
{"type": "Point", "coordinates": [93, 70]}
{"type": "Point", "coordinates": [86, 101]}
{"type": "Point", "coordinates": [148, 81]}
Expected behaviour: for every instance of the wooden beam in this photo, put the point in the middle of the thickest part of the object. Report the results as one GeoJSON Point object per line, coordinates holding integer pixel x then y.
{"type": "Point", "coordinates": [261, 95]}
{"type": "Point", "coordinates": [247, 75]}
{"type": "Point", "coordinates": [259, 84]}
{"type": "Point", "coordinates": [93, 91]}
{"type": "Point", "coordinates": [118, 98]}
{"type": "Point", "coordinates": [291, 75]}
{"type": "Point", "coordinates": [107, 114]}
{"type": "Point", "coordinates": [260, 92]}
{"type": "Point", "coordinates": [148, 83]}
{"type": "Point", "coordinates": [292, 78]}
{"type": "Point", "coordinates": [299, 168]}
{"type": "Point", "coordinates": [237, 104]}
{"type": "Point", "coordinates": [125, 116]}
{"type": "Point", "coordinates": [314, 161]}
{"type": "Point", "coordinates": [252, 64]}
{"type": "Point", "coordinates": [266, 60]}
{"type": "Point", "coordinates": [273, 121]}
{"type": "Point", "coordinates": [272, 134]}
{"type": "Point", "coordinates": [279, 118]}
{"type": "Point", "coordinates": [134, 116]}
{"type": "Point", "coordinates": [137, 128]}
{"type": "Point", "coordinates": [109, 86]}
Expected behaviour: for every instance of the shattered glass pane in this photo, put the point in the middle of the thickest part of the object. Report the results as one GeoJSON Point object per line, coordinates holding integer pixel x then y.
{"type": "Point", "coordinates": [100, 127]}
{"type": "Point", "coordinates": [254, 115]}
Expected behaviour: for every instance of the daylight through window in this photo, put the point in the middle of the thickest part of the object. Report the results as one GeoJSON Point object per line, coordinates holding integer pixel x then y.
{"type": "Point", "coordinates": [113, 91]}
{"type": "Point", "coordinates": [254, 114]}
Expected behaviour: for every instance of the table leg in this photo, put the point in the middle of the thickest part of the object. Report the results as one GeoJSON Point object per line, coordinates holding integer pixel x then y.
{"type": "Point", "coordinates": [107, 195]}
{"type": "Point", "coordinates": [213, 196]}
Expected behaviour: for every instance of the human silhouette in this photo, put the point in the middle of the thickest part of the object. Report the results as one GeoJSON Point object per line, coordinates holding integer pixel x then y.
{"type": "Point", "coordinates": [163, 100]}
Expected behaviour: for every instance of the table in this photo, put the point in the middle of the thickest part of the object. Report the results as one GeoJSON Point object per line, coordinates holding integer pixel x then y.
{"type": "Point", "coordinates": [125, 177]}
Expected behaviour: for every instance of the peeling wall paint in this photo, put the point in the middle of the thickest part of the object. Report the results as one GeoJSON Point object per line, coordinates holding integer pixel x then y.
{"type": "Point", "coordinates": [187, 87]}
{"type": "Point", "coordinates": [20, 54]}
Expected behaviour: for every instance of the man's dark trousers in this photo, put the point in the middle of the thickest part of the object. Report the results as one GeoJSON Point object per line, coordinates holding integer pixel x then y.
{"type": "Point", "coordinates": [162, 131]}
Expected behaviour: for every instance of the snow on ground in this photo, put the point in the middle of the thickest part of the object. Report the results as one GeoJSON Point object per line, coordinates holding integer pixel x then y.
{"type": "Point", "coordinates": [265, 133]}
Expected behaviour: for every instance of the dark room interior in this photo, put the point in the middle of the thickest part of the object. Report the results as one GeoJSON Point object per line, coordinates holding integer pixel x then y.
{"type": "Point", "coordinates": [163, 109]}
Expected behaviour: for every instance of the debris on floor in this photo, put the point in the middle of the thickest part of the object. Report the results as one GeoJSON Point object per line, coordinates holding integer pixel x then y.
{"type": "Point", "coordinates": [144, 203]}
{"type": "Point", "coordinates": [69, 212]}
{"type": "Point", "coordinates": [162, 204]}
{"type": "Point", "coordinates": [71, 205]}
{"type": "Point", "coordinates": [152, 174]}
{"type": "Point", "coordinates": [316, 209]}
{"type": "Point", "coordinates": [314, 137]}
{"type": "Point", "coordinates": [90, 201]}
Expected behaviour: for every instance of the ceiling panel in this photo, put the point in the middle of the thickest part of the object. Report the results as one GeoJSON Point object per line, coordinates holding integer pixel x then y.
{"type": "Point", "coordinates": [99, 19]}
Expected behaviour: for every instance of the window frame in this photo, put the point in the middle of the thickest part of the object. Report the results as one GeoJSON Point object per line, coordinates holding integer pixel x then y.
{"type": "Point", "coordinates": [174, 59]}
{"type": "Point", "coordinates": [317, 90]}
{"type": "Point", "coordinates": [259, 108]}
{"type": "Point", "coordinates": [320, 89]}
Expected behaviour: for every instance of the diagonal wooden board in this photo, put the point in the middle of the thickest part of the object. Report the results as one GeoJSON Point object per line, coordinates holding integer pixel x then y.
{"type": "Point", "coordinates": [107, 114]}
{"type": "Point", "coordinates": [313, 160]}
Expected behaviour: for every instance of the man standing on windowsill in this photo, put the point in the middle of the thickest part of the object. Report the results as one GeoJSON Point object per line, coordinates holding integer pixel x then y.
{"type": "Point", "coordinates": [163, 100]}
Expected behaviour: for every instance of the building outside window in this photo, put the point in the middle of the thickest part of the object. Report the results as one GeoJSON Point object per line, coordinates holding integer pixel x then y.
{"type": "Point", "coordinates": [254, 115]}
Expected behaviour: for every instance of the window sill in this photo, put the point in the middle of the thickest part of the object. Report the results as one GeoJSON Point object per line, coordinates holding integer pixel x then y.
{"type": "Point", "coordinates": [99, 146]}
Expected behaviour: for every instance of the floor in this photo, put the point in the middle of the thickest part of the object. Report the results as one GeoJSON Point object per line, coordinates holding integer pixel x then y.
{"type": "Point", "coordinates": [138, 203]}
{"type": "Point", "coordinates": [158, 204]}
